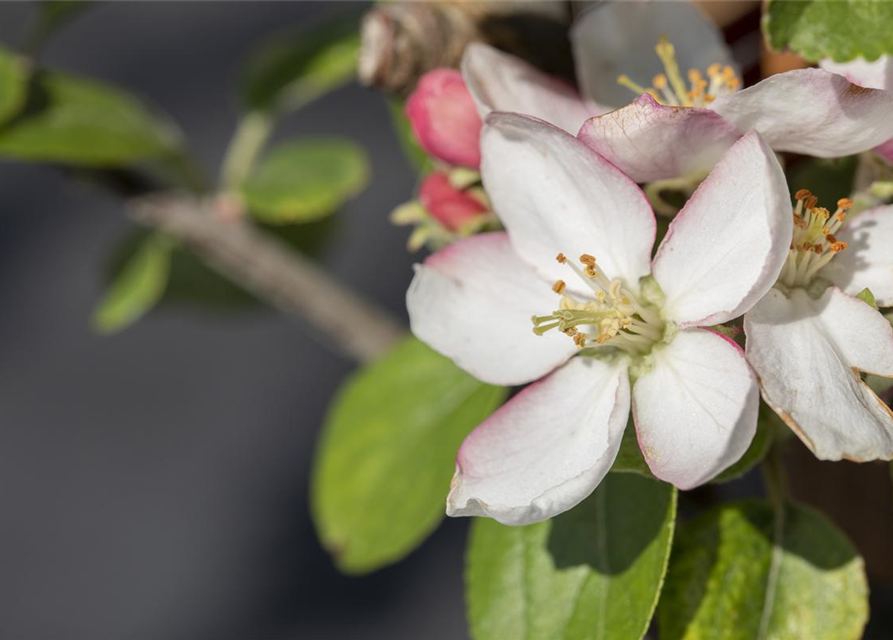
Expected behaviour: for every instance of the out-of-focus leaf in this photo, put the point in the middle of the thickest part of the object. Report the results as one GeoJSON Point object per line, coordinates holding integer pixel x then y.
{"type": "Point", "coordinates": [594, 572]}
{"type": "Point", "coordinates": [13, 84]}
{"type": "Point", "coordinates": [305, 181]}
{"type": "Point", "coordinates": [737, 573]}
{"type": "Point", "coordinates": [421, 161]}
{"type": "Point", "coordinates": [867, 297]}
{"type": "Point", "coordinates": [837, 29]}
{"type": "Point", "coordinates": [294, 68]}
{"type": "Point", "coordinates": [82, 122]}
{"type": "Point", "coordinates": [829, 180]}
{"type": "Point", "coordinates": [136, 287]}
{"type": "Point", "coordinates": [387, 452]}
{"type": "Point", "coordinates": [55, 13]}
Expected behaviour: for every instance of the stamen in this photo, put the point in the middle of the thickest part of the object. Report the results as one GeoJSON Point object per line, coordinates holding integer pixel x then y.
{"type": "Point", "coordinates": [814, 243]}
{"type": "Point", "coordinates": [559, 286]}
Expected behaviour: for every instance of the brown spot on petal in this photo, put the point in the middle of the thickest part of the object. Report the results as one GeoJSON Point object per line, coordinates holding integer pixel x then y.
{"type": "Point", "coordinates": [856, 90]}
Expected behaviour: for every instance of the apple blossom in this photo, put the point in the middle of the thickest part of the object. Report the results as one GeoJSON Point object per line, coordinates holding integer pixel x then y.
{"type": "Point", "coordinates": [444, 119]}
{"type": "Point", "coordinates": [625, 332]}
{"type": "Point", "coordinates": [810, 337]}
{"type": "Point", "coordinates": [683, 123]}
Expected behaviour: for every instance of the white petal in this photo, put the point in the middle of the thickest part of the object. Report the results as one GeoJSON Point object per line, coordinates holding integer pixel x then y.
{"type": "Point", "coordinates": [696, 410]}
{"type": "Point", "coordinates": [649, 141]}
{"type": "Point", "coordinates": [874, 75]}
{"type": "Point", "coordinates": [808, 354]}
{"type": "Point", "coordinates": [868, 258]}
{"type": "Point", "coordinates": [473, 302]}
{"type": "Point", "coordinates": [726, 247]}
{"type": "Point", "coordinates": [555, 194]}
{"type": "Point", "coordinates": [618, 38]}
{"type": "Point", "coordinates": [546, 449]}
{"type": "Point", "coordinates": [499, 81]}
{"type": "Point", "coordinates": [813, 112]}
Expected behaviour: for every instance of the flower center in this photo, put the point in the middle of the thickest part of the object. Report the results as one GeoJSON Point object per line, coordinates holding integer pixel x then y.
{"type": "Point", "coordinates": [813, 245]}
{"type": "Point", "coordinates": [612, 318]}
{"type": "Point", "coordinates": [670, 88]}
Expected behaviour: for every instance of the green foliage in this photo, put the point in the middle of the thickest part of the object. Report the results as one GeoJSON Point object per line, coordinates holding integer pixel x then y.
{"type": "Point", "coordinates": [828, 179]}
{"type": "Point", "coordinates": [387, 452]}
{"type": "Point", "coordinates": [305, 181]}
{"type": "Point", "coordinates": [592, 573]}
{"type": "Point", "coordinates": [629, 458]}
{"type": "Point", "coordinates": [739, 574]}
{"type": "Point", "coordinates": [295, 68]}
{"type": "Point", "coordinates": [82, 122]}
{"type": "Point", "coordinates": [837, 29]}
{"type": "Point", "coordinates": [136, 287]}
{"type": "Point", "coordinates": [13, 84]}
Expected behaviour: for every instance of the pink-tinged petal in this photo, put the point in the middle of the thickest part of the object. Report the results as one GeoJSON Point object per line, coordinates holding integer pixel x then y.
{"type": "Point", "coordinates": [444, 118]}
{"type": "Point", "coordinates": [885, 150]}
{"type": "Point", "coordinates": [618, 38]}
{"type": "Point", "coordinates": [547, 448]}
{"type": "Point", "coordinates": [473, 302]}
{"type": "Point", "coordinates": [649, 141]}
{"type": "Point", "coordinates": [812, 111]}
{"type": "Point", "coordinates": [555, 194]}
{"type": "Point", "coordinates": [499, 81]}
{"type": "Point", "coordinates": [808, 355]}
{"type": "Point", "coordinates": [447, 204]}
{"type": "Point", "coordinates": [727, 246]}
{"type": "Point", "coordinates": [874, 75]}
{"type": "Point", "coordinates": [696, 409]}
{"type": "Point", "coordinates": [868, 258]}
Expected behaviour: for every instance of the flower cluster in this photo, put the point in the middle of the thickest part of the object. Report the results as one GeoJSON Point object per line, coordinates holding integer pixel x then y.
{"type": "Point", "coordinates": [571, 294]}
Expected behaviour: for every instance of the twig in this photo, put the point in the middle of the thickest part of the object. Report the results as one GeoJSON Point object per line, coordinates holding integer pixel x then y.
{"type": "Point", "coordinates": [275, 273]}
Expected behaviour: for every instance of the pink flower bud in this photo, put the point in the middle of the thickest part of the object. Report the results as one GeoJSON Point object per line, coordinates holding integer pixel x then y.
{"type": "Point", "coordinates": [444, 118]}
{"type": "Point", "coordinates": [448, 205]}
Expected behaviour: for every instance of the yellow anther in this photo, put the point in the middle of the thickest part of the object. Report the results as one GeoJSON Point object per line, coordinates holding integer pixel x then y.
{"type": "Point", "coordinates": [587, 259]}
{"type": "Point", "coordinates": [837, 247]}
{"type": "Point", "coordinates": [561, 258]}
{"type": "Point", "coordinates": [803, 194]}
{"type": "Point", "coordinates": [559, 286]}
{"type": "Point", "coordinates": [844, 203]}
{"type": "Point", "coordinates": [659, 81]}
{"type": "Point", "coordinates": [714, 69]}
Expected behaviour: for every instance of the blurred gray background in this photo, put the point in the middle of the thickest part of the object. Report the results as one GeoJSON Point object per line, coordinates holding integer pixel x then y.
{"type": "Point", "coordinates": [154, 484]}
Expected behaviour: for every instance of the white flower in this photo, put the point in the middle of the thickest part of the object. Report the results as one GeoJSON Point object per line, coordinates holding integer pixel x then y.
{"type": "Point", "coordinates": [681, 126]}
{"type": "Point", "coordinates": [810, 338]}
{"type": "Point", "coordinates": [686, 120]}
{"type": "Point", "coordinates": [615, 332]}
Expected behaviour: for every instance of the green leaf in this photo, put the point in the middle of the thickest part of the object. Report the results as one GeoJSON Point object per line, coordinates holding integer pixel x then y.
{"type": "Point", "coordinates": [837, 29]}
{"type": "Point", "coordinates": [137, 287]}
{"type": "Point", "coordinates": [81, 122]}
{"type": "Point", "coordinates": [13, 84]}
{"type": "Point", "coordinates": [387, 452]}
{"type": "Point", "coordinates": [295, 68]}
{"type": "Point", "coordinates": [738, 574]}
{"type": "Point", "coordinates": [867, 297]}
{"type": "Point", "coordinates": [305, 181]}
{"type": "Point", "coordinates": [828, 179]}
{"type": "Point", "coordinates": [592, 573]}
